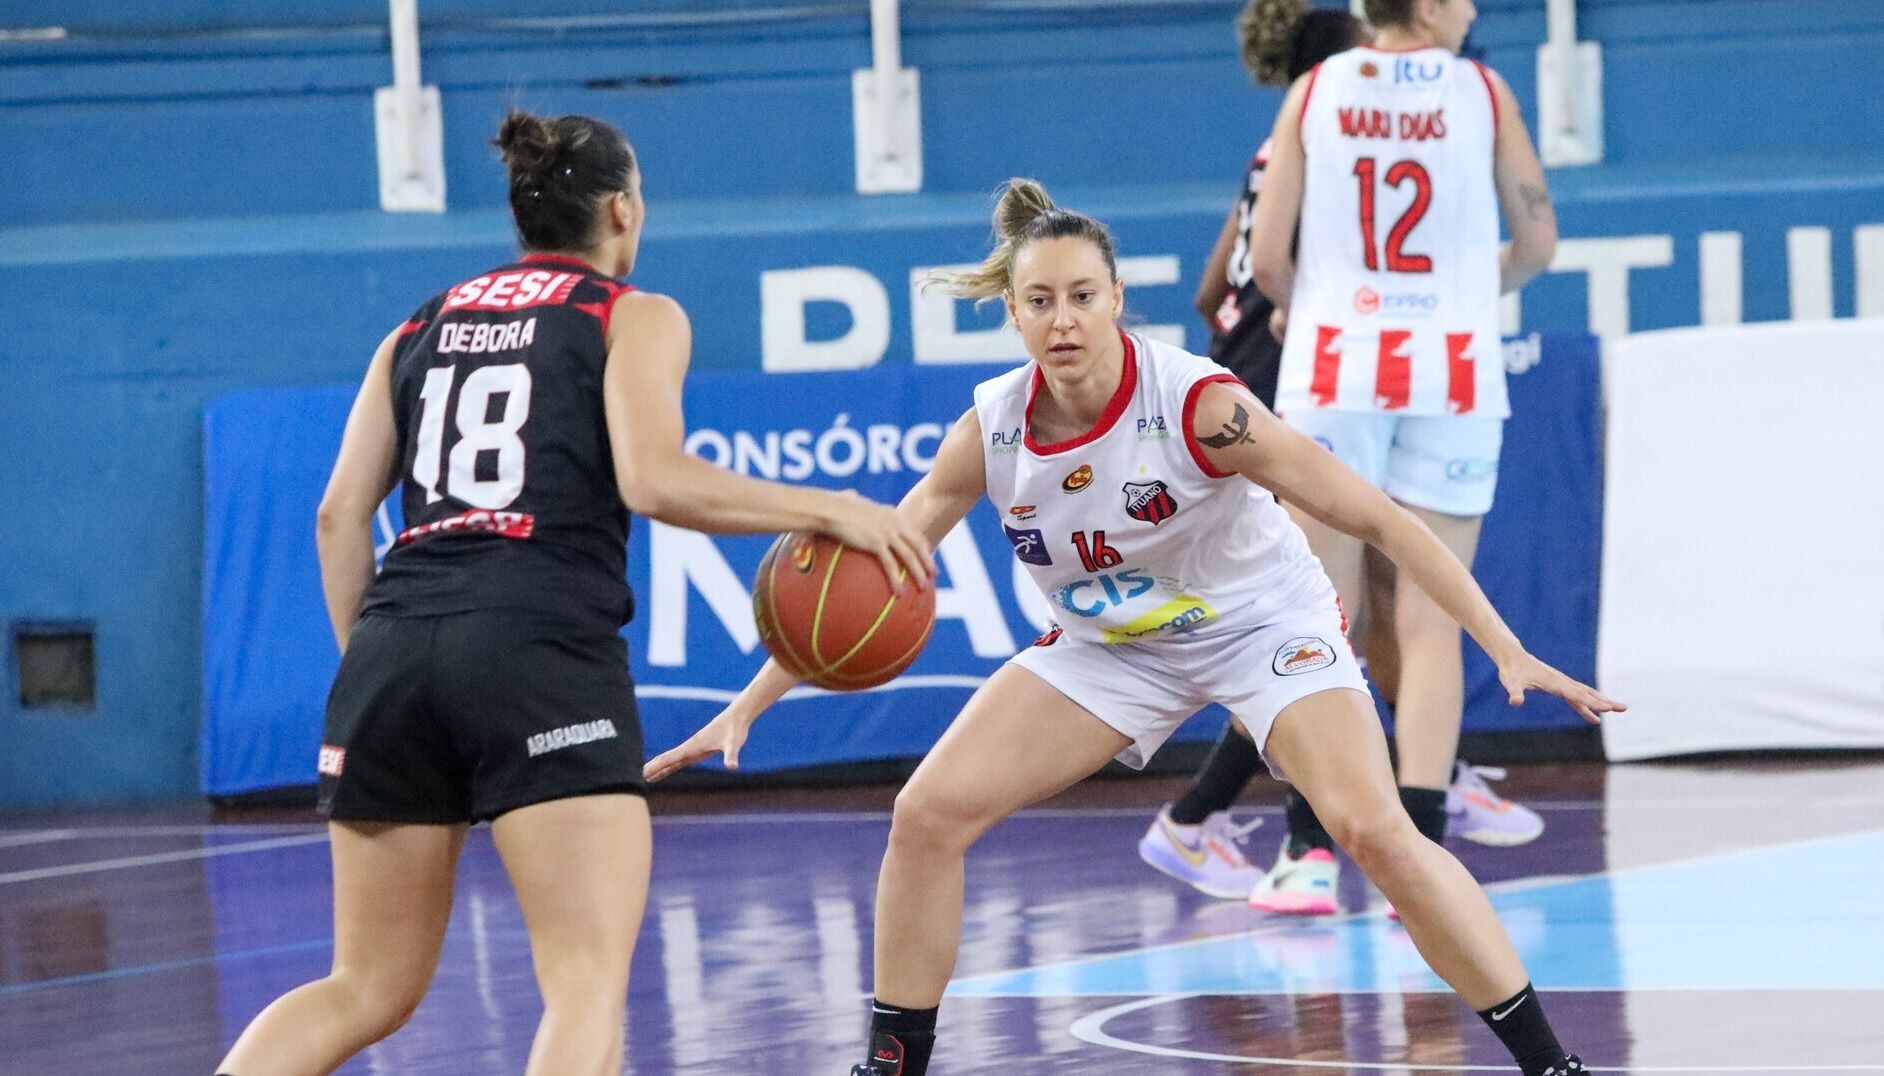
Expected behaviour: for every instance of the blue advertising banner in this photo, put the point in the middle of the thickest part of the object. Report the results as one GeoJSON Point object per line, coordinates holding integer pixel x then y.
{"type": "Point", "coordinates": [268, 650]}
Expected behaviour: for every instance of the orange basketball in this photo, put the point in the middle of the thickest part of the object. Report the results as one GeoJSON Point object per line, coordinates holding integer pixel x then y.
{"type": "Point", "coordinates": [827, 613]}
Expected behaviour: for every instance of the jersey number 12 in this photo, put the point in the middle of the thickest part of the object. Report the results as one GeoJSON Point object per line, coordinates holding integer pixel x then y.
{"type": "Point", "coordinates": [478, 433]}
{"type": "Point", "coordinates": [1397, 260]}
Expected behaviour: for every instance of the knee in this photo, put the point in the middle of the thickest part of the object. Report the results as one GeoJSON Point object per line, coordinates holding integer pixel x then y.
{"type": "Point", "coordinates": [932, 824]}
{"type": "Point", "coordinates": [379, 1008]}
{"type": "Point", "coordinates": [1380, 838]}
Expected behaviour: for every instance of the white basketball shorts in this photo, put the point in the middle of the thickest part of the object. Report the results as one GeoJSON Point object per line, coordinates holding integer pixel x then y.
{"type": "Point", "coordinates": [1146, 690]}
{"type": "Point", "coordinates": [1442, 463]}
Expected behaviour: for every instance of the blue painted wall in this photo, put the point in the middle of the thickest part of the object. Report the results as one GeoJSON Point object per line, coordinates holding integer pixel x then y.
{"type": "Point", "coordinates": [190, 212]}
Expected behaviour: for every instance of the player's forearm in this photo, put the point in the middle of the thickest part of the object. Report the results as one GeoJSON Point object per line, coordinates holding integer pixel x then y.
{"type": "Point", "coordinates": [767, 687]}
{"type": "Point", "coordinates": [1275, 279]}
{"type": "Point", "coordinates": [1418, 553]}
{"type": "Point", "coordinates": [1518, 266]}
{"type": "Point", "coordinates": [345, 546]}
{"type": "Point", "coordinates": [687, 491]}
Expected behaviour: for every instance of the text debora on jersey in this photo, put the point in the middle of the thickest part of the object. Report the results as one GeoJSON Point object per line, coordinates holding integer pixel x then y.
{"type": "Point", "coordinates": [838, 451]}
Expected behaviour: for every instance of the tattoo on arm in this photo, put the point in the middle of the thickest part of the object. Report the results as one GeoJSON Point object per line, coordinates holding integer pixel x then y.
{"type": "Point", "coordinates": [1536, 200]}
{"type": "Point", "coordinates": [1235, 431]}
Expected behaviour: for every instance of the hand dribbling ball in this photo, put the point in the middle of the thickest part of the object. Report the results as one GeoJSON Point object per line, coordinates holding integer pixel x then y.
{"type": "Point", "coordinates": [827, 613]}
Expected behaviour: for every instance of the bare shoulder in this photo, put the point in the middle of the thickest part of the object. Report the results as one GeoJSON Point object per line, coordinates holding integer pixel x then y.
{"type": "Point", "coordinates": [648, 310]}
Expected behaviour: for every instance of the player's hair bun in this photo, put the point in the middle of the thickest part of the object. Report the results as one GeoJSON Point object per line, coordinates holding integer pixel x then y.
{"type": "Point", "coordinates": [1021, 203]}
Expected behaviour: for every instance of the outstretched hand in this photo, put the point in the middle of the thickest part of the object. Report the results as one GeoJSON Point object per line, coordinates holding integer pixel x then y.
{"type": "Point", "coordinates": [899, 544]}
{"type": "Point", "coordinates": [1526, 672]}
{"type": "Point", "coordinates": [724, 735]}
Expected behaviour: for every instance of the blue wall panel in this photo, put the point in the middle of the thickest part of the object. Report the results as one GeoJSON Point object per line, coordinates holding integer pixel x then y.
{"type": "Point", "coordinates": [190, 214]}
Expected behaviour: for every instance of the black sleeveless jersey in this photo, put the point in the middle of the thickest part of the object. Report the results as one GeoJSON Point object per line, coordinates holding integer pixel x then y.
{"type": "Point", "coordinates": [507, 483]}
{"type": "Point", "coordinates": [1240, 339]}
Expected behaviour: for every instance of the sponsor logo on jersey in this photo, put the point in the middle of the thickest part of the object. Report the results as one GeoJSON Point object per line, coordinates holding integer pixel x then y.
{"type": "Point", "coordinates": [1005, 442]}
{"type": "Point", "coordinates": [1092, 597]}
{"type": "Point", "coordinates": [519, 525]}
{"type": "Point", "coordinates": [1370, 69]}
{"type": "Point", "coordinates": [1406, 69]}
{"type": "Point", "coordinates": [1021, 512]}
{"type": "Point", "coordinates": [513, 290]}
{"type": "Point", "coordinates": [1305, 653]}
{"type": "Point", "coordinates": [1410, 303]}
{"type": "Point", "coordinates": [1029, 545]}
{"type": "Point", "coordinates": [1051, 637]}
{"type": "Point", "coordinates": [1149, 502]}
{"type": "Point", "coordinates": [1183, 613]}
{"type": "Point", "coordinates": [1153, 428]}
{"type": "Point", "coordinates": [332, 760]}
{"type": "Point", "coordinates": [1366, 301]}
{"type": "Point", "coordinates": [569, 736]}
{"type": "Point", "coordinates": [1078, 480]}
{"type": "Point", "coordinates": [802, 555]}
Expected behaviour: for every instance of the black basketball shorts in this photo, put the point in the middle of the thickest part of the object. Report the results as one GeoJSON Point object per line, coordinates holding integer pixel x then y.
{"type": "Point", "coordinates": [462, 717]}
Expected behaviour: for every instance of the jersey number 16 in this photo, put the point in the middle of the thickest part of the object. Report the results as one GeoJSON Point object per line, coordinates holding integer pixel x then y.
{"type": "Point", "coordinates": [478, 432]}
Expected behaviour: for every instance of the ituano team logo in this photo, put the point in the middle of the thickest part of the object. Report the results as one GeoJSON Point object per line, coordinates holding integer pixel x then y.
{"type": "Point", "coordinates": [1302, 654]}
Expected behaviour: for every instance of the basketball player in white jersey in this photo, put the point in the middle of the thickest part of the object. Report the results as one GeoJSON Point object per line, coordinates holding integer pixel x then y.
{"type": "Point", "coordinates": [1396, 159]}
{"type": "Point", "coordinates": [1134, 481]}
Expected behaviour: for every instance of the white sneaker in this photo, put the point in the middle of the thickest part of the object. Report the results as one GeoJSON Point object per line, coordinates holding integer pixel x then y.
{"type": "Point", "coordinates": [1478, 814]}
{"type": "Point", "coordinates": [1207, 856]}
{"type": "Point", "coordinates": [1304, 886]}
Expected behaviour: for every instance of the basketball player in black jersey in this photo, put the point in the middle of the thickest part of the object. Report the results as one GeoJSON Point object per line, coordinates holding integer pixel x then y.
{"type": "Point", "coordinates": [484, 678]}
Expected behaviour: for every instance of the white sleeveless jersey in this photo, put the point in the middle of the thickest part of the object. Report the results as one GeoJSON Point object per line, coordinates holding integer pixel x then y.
{"type": "Point", "coordinates": [1126, 530]}
{"type": "Point", "coordinates": [1395, 306]}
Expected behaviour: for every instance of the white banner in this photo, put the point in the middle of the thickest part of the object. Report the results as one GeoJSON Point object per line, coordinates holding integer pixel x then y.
{"type": "Point", "coordinates": [1743, 546]}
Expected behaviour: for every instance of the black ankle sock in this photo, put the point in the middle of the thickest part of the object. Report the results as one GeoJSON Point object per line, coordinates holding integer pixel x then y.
{"type": "Point", "coordinates": [1428, 808]}
{"type": "Point", "coordinates": [901, 1039]}
{"type": "Point", "coordinates": [1519, 1023]}
{"type": "Point", "coordinates": [1230, 766]}
{"type": "Point", "coordinates": [1305, 830]}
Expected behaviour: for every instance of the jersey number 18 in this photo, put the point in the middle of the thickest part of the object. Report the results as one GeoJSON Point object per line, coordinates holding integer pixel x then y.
{"type": "Point", "coordinates": [478, 432]}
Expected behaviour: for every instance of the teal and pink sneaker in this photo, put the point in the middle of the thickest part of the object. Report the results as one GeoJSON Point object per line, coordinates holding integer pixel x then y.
{"type": "Point", "coordinates": [1207, 856]}
{"type": "Point", "coordinates": [1299, 886]}
{"type": "Point", "coordinates": [1476, 813]}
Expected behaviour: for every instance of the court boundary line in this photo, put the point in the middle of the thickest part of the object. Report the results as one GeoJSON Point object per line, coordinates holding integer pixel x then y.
{"type": "Point", "coordinates": [1090, 1029]}
{"type": "Point", "coordinates": [183, 856]}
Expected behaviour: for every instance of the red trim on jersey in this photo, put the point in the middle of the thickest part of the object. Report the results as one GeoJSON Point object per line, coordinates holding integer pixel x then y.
{"type": "Point", "coordinates": [1128, 383]}
{"type": "Point", "coordinates": [605, 309]}
{"type": "Point", "coordinates": [1324, 381]}
{"type": "Point", "coordinates": [1190, 435]}
{"type": "Point", "coordinates": [1461, 375]}
{"type": "Point", "coordinates": [1493, 90]}
{"type": "Point", "coordinates": [411, 327]}
{"type": "Point", "coordinates": [1313, 74]}
{"type": "Point", "coordinates": [1393, 378]}
{"type": "Point", "coordinates": [1409, 48]}
{"type": "Point", "coordinates": [558, 259]}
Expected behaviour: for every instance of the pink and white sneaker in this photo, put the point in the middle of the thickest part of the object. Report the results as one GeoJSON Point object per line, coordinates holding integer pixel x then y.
{"type": "Point", "coordinates": [1304, 886]}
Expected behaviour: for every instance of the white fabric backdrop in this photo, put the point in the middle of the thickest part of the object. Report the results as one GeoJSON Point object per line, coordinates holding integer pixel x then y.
{"type": "Point", "coordinates": [1743, 545]}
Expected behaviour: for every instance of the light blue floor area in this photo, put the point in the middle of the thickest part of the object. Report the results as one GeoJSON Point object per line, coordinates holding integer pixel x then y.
{"type": "Point", "coordinates": [1805, 916]}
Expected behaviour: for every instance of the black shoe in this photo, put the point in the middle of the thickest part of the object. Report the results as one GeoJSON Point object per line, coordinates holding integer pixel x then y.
{"type": "Point", "coordinates": [1572, 1066]}
{"type": "Point", "coordinates": [868, 1070]}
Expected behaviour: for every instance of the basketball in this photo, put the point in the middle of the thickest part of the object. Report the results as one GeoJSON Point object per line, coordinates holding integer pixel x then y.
{"type": "Point", "coordinates": [828, 615]}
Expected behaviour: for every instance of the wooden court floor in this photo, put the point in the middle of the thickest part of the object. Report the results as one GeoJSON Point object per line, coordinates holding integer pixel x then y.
{"type": "Point", "coordinates": [1721, 916]}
